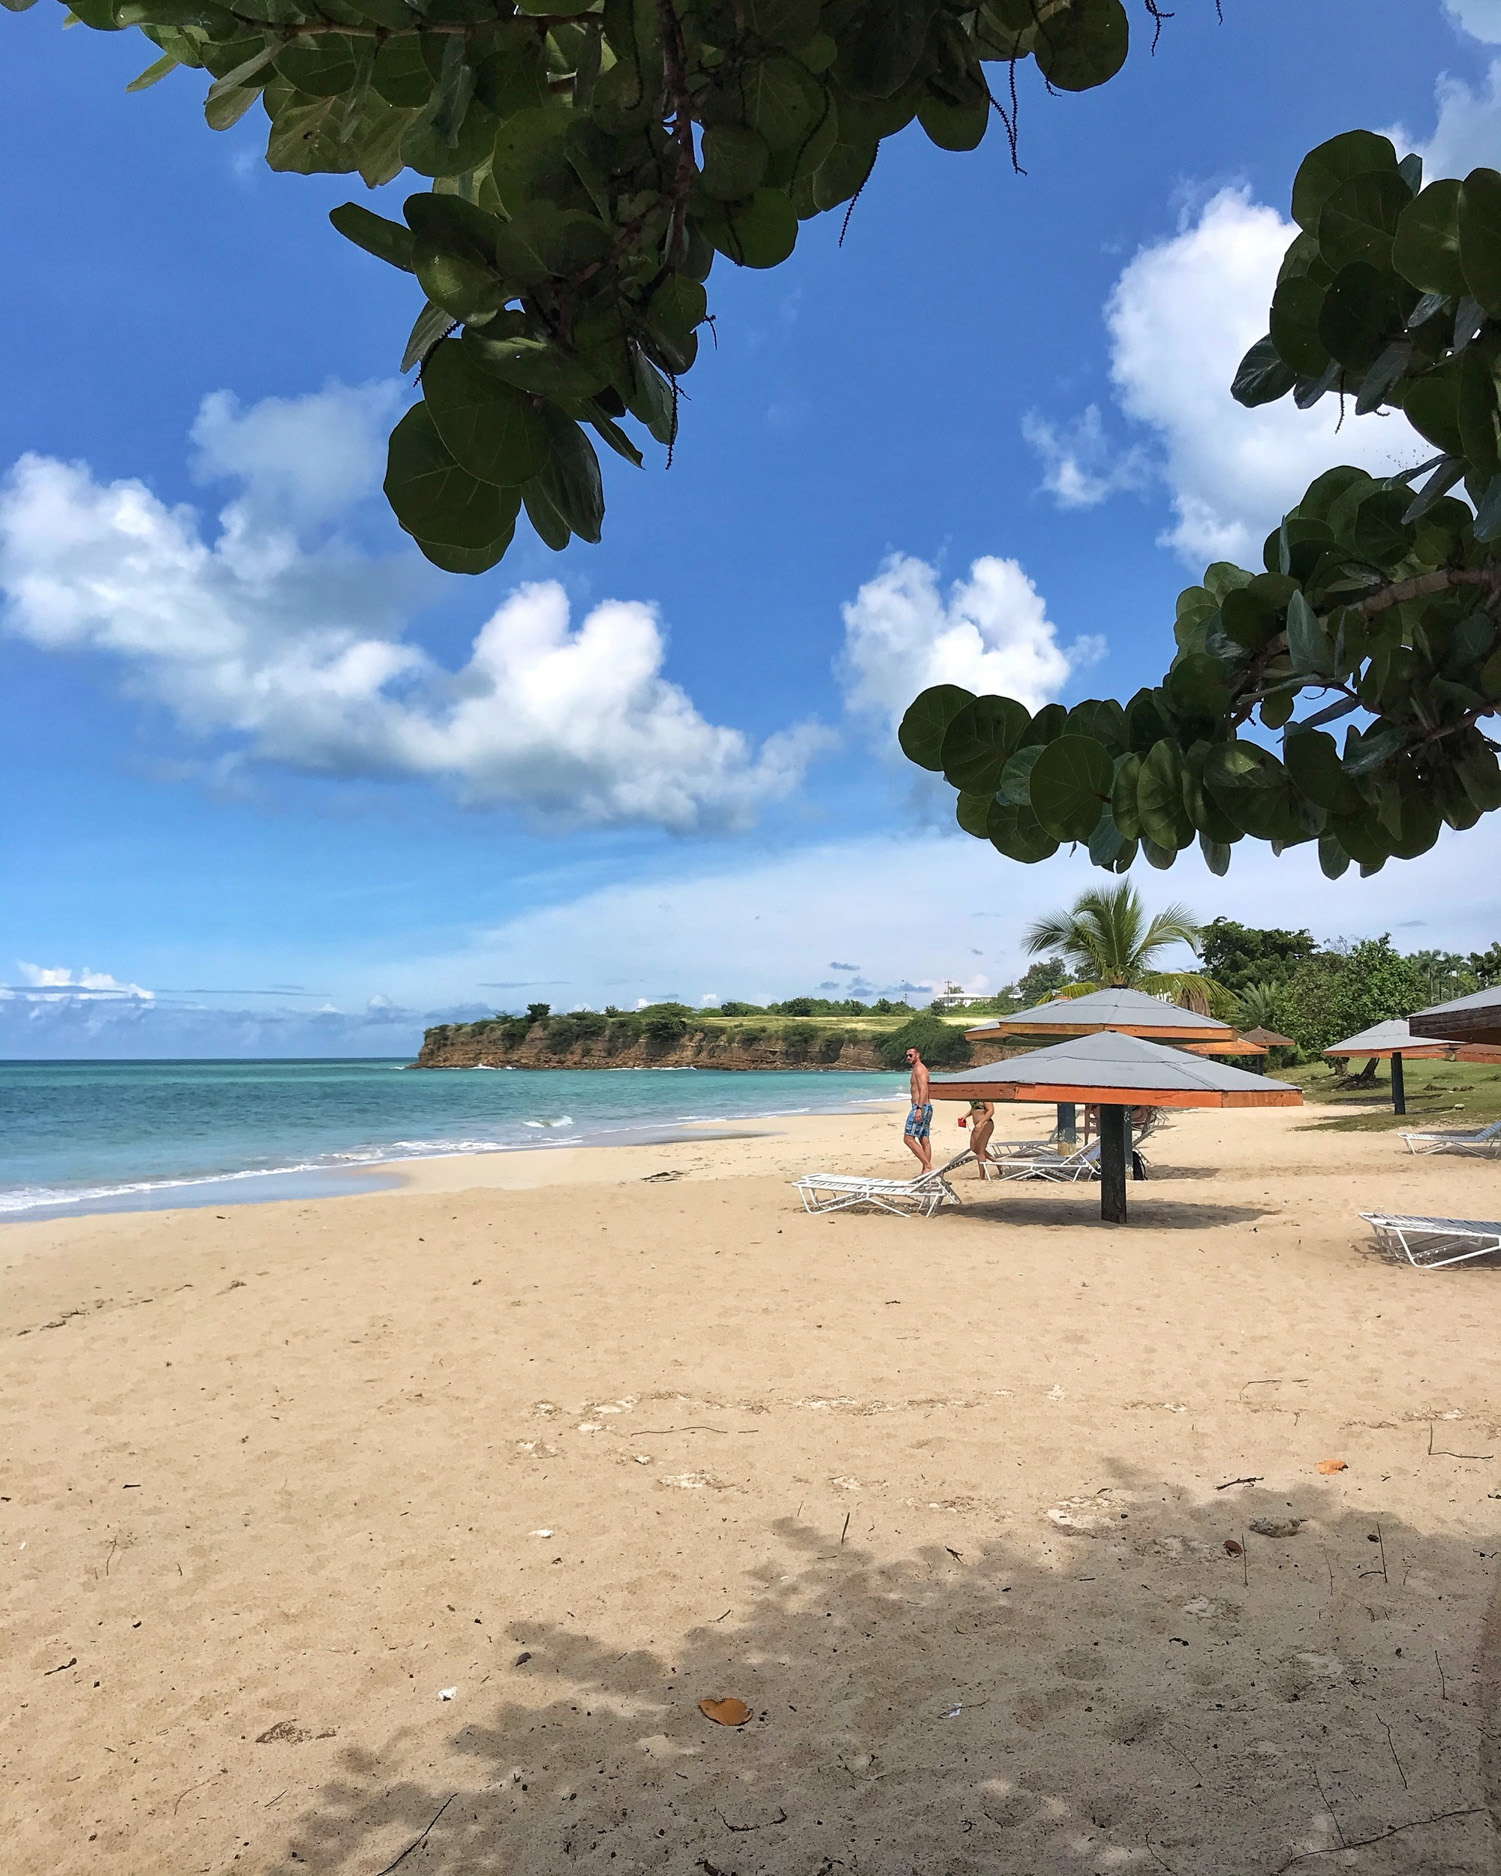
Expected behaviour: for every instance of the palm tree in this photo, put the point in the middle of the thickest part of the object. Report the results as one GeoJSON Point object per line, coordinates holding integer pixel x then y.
{"type": "Point", "coordinates": [1259, 1006]}
{"type": "Point", "coordinates": [1111, 944]}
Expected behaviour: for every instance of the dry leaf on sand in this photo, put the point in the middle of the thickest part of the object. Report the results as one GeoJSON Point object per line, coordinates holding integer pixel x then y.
{"type": "Point", "coordinates": [1232, 1549]}
{"type": "Point", "coordinates": [729, 1712]}
{"type": "Point", "coordinates": [1327, 1466]}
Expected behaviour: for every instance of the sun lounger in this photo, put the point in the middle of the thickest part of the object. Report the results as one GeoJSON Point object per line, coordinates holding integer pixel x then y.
{"type": "Point", "coordinates": [922, 1196]}
{"type": "Point", "coordinates": [1421, 1240]}
{"type": "Point", "coordinates": [1480, 1141]}
{"type": "Point", "coordinates": [1064, 1168]}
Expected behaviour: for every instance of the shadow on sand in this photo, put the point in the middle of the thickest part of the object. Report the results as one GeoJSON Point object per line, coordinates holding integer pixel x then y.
{"type": "Point", "coordinates": [1113, 1689]}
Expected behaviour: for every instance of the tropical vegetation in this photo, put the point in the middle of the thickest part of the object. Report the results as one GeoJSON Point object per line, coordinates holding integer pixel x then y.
{"type": "Point", "coordinates": [1109, 942]}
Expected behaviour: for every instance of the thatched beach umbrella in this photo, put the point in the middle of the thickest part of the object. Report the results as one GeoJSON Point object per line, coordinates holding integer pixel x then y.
{"type": "Point", "coordinates": [1116, 1072]}
{"type": "Point", "coordinates": [1269, 1039]}
{"type": "Point", "coordinates": [1116, 1011]}
{"type": "Point", "coordinates": [1390, 1039]}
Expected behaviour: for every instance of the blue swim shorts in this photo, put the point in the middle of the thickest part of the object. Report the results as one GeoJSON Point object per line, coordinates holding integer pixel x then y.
{"type": "Point", "coordinates": [918, 1122]}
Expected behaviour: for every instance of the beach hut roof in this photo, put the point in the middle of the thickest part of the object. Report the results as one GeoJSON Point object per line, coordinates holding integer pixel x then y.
{"type": "Point", "coordinates": [1130, 1012]}
{"type": "Point", "coordinates": [1390, 1038]}
{"type": "Point", "coordinates": [1117, 1069]}
{"type": "Point", "coordinates": [1475, 1018]}
{"type": "Point", "coordinates": [1269, 1039]}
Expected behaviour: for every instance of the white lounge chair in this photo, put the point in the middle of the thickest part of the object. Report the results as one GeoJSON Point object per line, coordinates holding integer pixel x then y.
{"type": "Point", "coordinates": [1063, 1168]}
{"type": "Point", "coordinates": [1481, 1141]}
{"type": "Point", "coordinates": [1422, 1239]}
{"type": "Point", "coordinates": [922, 1196]}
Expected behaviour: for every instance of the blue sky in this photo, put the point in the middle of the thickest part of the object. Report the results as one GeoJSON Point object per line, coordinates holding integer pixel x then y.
{"type": "Point", "coordinates": [263, 763]}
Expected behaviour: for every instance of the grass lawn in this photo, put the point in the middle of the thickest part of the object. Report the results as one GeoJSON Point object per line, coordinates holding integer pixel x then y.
{"type": "Point", "coordinates": [1439, 1093]}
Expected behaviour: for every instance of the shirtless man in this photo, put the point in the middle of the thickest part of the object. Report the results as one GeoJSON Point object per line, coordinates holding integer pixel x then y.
{"type": "Point", "coordinates": [920, 1120]}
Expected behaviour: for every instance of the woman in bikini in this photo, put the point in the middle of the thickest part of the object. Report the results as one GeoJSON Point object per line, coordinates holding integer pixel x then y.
{"type": "Point", "coordinates": [981, 1119]}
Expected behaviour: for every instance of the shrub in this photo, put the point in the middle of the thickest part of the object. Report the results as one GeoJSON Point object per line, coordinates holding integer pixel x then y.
{"type": "Point", "coordinates": [797, 1040]}
{"type": "Point", "coordinates": [562, 1033]}
{"type": "Point", "coordinates": [750, 1035]}
{"type": "Point", "coordinates": [942, 1045]}
{"type": "Point", "coordinates": [621, 1033]}
{"type": "Point", "coordinates": [741, 1009]}
{"type": "Point", "coordinates": [514, 1031]}
{"type": "Point", "coordinates": [663, 1029]}
{"type": "Point", "coordinates": [538, 1012]}
{"type": "Point", "coordinates": [831, 1045]}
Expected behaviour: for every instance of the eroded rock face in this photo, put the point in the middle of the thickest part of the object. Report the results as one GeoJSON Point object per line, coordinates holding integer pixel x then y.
{"type": "Point", "coordinates": [479, 1046]}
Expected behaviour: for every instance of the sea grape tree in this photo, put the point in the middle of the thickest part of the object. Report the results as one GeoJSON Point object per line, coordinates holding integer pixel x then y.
{"type": "Point", "coordinates": [1377, 600]}
{"type": "Point", "coordinates": [581, 164]}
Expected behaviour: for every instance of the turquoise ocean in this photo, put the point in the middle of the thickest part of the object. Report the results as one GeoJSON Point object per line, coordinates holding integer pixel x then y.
{"type": "Point", "coordinates": [105, 1136]}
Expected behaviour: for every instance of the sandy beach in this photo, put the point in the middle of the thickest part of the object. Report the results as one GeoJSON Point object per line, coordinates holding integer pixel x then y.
{"type": "Point", "coordinates": [440, 1510]}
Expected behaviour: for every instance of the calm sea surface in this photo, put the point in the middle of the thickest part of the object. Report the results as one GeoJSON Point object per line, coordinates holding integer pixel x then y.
{"type": "Point", "coordinates": [96, 1136]}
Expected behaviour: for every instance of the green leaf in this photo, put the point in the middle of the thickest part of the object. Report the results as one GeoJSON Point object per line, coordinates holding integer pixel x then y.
{"type": "Point", "coordinates": [1358, 221]}
{"type": "Point", "coordinates": [468, 559]}
{"type": "Point", "coordinates": [1160, 857]}
{"type": "Point", "coordinates": [760, 233]}
{"type": "Point", "coordinates": [400, 73]}
{"type": "Point", "coordinates": [1296, 306]}
{"type": "Point", "coordinates": [1488, 511]}
{"type": "Point", "coordinates": [1019, 835]}
{"type": "Point", "coordinates": [231, 96]}
{"type": "Point", "coordinates": [387, 240]}
{"type": "Point", "coordinates": [425, 146]}
{"type": "Point", "coordinates": [1107, 843]}
{"type": "Point", "coordinates": [735, 159]}
{"type": "Point", "coordinates": [541, 366]}
{"type": "Point", "coordinates": [1480, 236]}
{"type": "Point", "coordinates": [434, 498]}
{"type": "Point", "coordinates": [143, 81]}
{"type": "Point", "coordinates": [1101, 718]}
{"type": "Point", "coordinates": [1071, 784]}
{"type": "Point", "coordinates": [1333, 860]}
{"type": "Point", "coordinates": [1197, 685]}
{"type": "Point", "coordinates": [1478, 413]}
{"type": "Point", "coordinates": [972, 812]}
{"type": "Point", "coordinates": [926, 721]}
{"type": "Point", "coordinates": [323, 67]}
{"type": "Point", "coordinates": [955, 119]}
{"type": "Point", "coordinates": [1253, 789]}
{"type": "Point", "coordinates": [1084, 46]}
{"type": "Point", "coordinates": [1426, 249]}
{"type": "Point", "coordinates": [1363, 311]}
{"type": "Point", "coordinates": [1016, 777]}
{"type": "Point", "coordinates": [1123, 793]}
{"type": "Point", "coordinates": [879, 49]}
{"type": "Point", "coordinates": [1216, 855]}
{"type": "Point", "coordinates": [1356, 153]}
{"type": "Point", "coordinates": [433, 323]}
{"type": "Point", "coordinates": [1430, 404]}
{"type": "Point", "coordinates": [570, 477]}
{"type": "Point", "coordinates": [552, 530]}
{"type": "Point", "coordinates": [980, 740]}
{"type": "Point", "coordinates": [1160, 806]}
{"type": "Point", "coordinates": [781, 100]}
{"type": "Point", "coordinates": [652, 402]}
{"type": "Point", "coordinates": [1312, 760]}
{"type": "Point", "coordinates": [492, 430]}
{"type": "Point", "coordinates": [1307, 645]}
{"type": "Point", "coordinates": [1262, 376]}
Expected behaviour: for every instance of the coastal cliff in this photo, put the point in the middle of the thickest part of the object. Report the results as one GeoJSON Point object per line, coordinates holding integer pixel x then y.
{"type": "Point", "coordinates": [626, 1042]}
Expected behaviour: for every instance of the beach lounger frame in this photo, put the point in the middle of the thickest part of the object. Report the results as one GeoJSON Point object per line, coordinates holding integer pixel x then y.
{"type": "Point", "coordinates": [1482, 1142]}
{"type": "Point", "coordinates": [1419, 1239]}
{"type": "Point", "coordinates": [904, 1198]}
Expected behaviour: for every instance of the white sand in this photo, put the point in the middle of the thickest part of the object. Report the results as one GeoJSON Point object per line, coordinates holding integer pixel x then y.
{"type": "Point", "coordinates": [937, 1499]}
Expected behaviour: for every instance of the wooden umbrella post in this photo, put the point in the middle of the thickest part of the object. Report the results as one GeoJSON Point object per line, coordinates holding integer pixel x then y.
{"type": "Point", "coordinates": [1399, 1086]}
{"type": "Point", "coordinates": [1068, 1123]}
{"type": "Point", "coordinates": [1113, 1158]}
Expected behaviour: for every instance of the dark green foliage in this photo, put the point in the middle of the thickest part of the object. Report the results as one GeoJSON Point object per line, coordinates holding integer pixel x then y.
{"type": "Point", "coordinates": [1377, 605]}
{"type": "Point", "coordinates": [663, 1029]}
{"type": "Point", "coordinates": [514, 1031]}
{"type": "Point", "coordinates": [1042, 980]}
{"type": "Point", "coordinates": [798, 1041]}
{"type": "Point", "coordinates": [538, 1012]}
{"type": "Point", "coordinates": [1236, 955]}
{"type": "Point", "coordinates": [588, 163]}
{"type": "Point", "coordinates": [942, 1044]}
{"type": "Point", "coordinates": [1485, 966]}
{"type": "Point", "coordinates": [1332, 995]}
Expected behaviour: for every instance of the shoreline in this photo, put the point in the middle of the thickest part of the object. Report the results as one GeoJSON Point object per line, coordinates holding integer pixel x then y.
{"type": "Point", "coordinates": [361, 1178]}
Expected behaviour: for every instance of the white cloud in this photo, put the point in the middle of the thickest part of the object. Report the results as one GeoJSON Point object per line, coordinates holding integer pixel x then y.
{"type": "Point", "coordinates": [991, 634]}
{"type": "Point", "coordinates": [1081, 467]}
{"type": "Point", "coordinates": [1182, 315]}
{"type": "Point", "coordinates": [1481, 19]}
{"type": "Point", "coordinates": [297, 653]}
{"type": "Point", "coordinates": [1467, 124]}
{"type": "Point", "coordinates": [922, 906]}
{"type": "Point", "coordinates": [51, 979]}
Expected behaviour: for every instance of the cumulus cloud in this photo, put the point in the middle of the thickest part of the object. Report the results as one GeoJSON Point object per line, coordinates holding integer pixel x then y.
{"type": "Point", "coordinates": [280, 636]}
{"type": "Point", "coordinates": [57, 980]}
{"type": "Point", "coordinates": [990, 633]}
{"type": "Point", "coordinates": [1481, 19]}
{"type": "Point", "coordinates": [1180, 318]}
{"type": "Point", "coordinates": [1081, 466]}
{"type": "Point", "coordinates": [1467, 124]}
